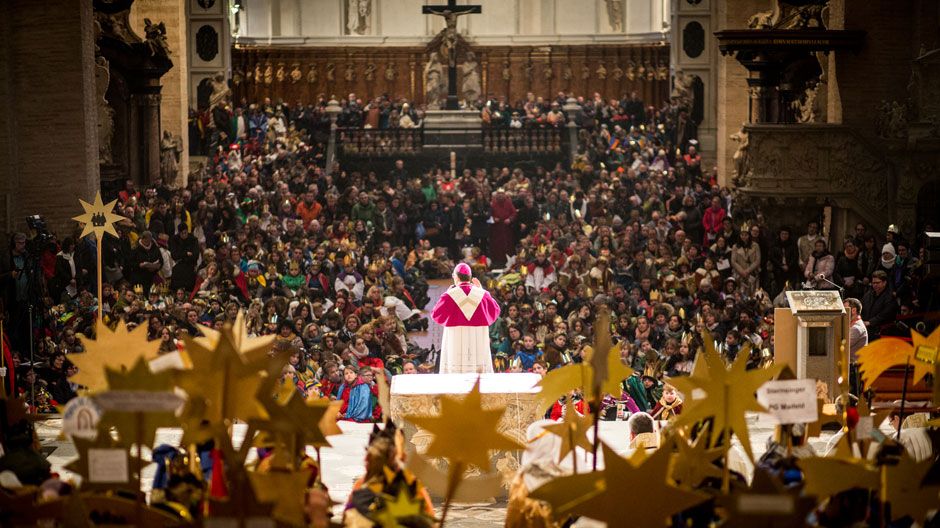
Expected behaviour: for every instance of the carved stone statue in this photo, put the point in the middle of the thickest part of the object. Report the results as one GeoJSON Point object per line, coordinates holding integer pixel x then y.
{"type": "Point", "coordinates": [350, 73]}
{"type": "Point", "coordinates": [615, 15]}
{"type": "Point", "coordinates": [281, 73]}
{"type": "Point", "coordinates": [631, 71]}
{"type": "Point", "coordinates": [470, 87]}
{"type": "Point", "coordinates": [295, 74]}
{"type": "Point", "coordinates": [312, 74]}
{"type": "Point", "coordinates": [434, 81]}
{"type": "Point", "coordinates": [170, 150]}
{"type": "Point", "coordinates": [358, 16]}
{"type": "Point", "coordinates": [740, 157]}
{"type": "Point", "coordinates": [805, 107]}
{"type": "Point", "coordinates": [682, 89]}
{"type": "Point", "coordinates": [390, 72]}
{"type": "Point", "coordinates": [507, 71]}
{"type": "Point", "coordinates": [601, 71]}
{"type": "Point", "coordinates": [105, 112]}
{"type": "Point", "coordinates": [369, 72]}
{"type": "Point", "coordinates": [617, 73]}
{"type": "Point", "coordinates": [787, 15]}
{"type": "Point", "coordinates": [220, 91]}
{"type": "Point", "coordinates": [330, 72]}
{"type": "Point", "coordinates": [259, 76]}
{"type": "Point", "coordinates": [268, 73]}
{"type": "Point", "coordinates": [156, 38]}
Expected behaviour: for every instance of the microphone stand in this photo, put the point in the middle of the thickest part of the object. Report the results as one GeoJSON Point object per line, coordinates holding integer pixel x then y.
{"type": "Point", "coordinates": [840, 288]}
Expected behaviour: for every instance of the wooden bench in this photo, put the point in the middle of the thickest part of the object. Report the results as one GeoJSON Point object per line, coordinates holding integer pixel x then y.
{"type": "Point", "coordinates": [890, 385]}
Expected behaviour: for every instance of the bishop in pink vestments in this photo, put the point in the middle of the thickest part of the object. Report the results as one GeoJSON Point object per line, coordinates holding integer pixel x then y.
{"type": "Point", "coordinates": [466, 312]}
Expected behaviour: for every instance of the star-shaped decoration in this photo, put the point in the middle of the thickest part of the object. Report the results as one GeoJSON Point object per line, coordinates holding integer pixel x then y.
{"type": "Point", "coordinates": [882, 354]}
{"type": "Point", "coordinates": [561, 381]}
{"type": "Point", "coordinates": [133, 427]}
{"type": "Point", "coordinates": [104, 464]}
{"type": "Point", "coordinates": [693, 462]}
{"type": "Point", "coordinates": [637, 486]}
{"type": "Point", "coordinates": [99, 218]}
{"type": "Point", "coordinates": [286, 490]}
{"type": "Point", "coordinates": [824, 477]}
{"type": "Point", "coordinates": [729, 393]}
{"type": "Point", "coordinates": [401, 509]}
{"type": "Point", "coordinates": [115, 349]}
{"type": "Point", "coordinates": [602, 346]}
{"type": "Point", "coordinates": [572, 430]}
{"type": "Point", "coordinates": [905, 489]}
{"type": "Point", "coordinates": [464, 432]}
{"type": "Point", "coordinates": [767, 503]}
{"type": "Point", "coordinates": [227, 376]}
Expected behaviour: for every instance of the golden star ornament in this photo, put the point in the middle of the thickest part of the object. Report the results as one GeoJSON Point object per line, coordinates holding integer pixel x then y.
{"type": "Point", "coordinates": [882, 354]}
{"type": "Point", "coordinates": [729, 393]}
{"type": "Point", "coordinates": [118, 349]}
{"type": "Point", "coordinates": [99, 218]}
{"type": "Point", "coordinates": [572, 430]}
{"type": "Point", "coordinates": [464, 432]}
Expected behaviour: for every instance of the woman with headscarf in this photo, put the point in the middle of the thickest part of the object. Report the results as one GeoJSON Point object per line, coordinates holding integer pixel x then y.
{"type": "Point", "coordinates": [502, 231]}
{"type": "Point", "coordinates": [819, 267]}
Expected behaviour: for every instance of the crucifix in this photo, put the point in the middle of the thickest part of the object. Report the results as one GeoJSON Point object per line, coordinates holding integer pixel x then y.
{"type": "Point", "coordinates": [450, 12]}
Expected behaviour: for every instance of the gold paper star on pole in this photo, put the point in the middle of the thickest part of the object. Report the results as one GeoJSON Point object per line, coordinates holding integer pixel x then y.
{"type": "Point", "coordinates": [464, 432]}
{"type": "Point", "coordinates": [906, 491]}
{"type": "Point", "coordinates": [825, 477]}
{"type": "Point", "coordinates": [636, 487]}
{"type": "Point", "coordinates": [285, 490]}
{"type": "Point", "coordinates": [730, 393]}
{"type": "Point", "coordinates": [118, 349]}
{"type": "Point", "coordinates": [226, 376]}
{"type": "Point", "coordinates": [99, 218]}
{"type": "Point", "coordinates": [400, 509]}
{"type": "Point", "coordinates": [693, 462]}
{"type": "Point", "coordinates": [141, 427]}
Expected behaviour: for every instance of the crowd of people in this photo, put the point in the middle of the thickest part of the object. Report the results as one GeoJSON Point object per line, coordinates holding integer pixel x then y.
{"type": "Point", "coordinates": [337, 263]}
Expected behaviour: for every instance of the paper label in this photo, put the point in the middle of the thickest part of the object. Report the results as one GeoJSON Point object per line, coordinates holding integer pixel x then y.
{"type": "Point", "coordinates": [790, 401]}
{"type": "Point", "coordinates": [765, 504]}
{"type": "Point", "coordinates": [107, 466]}
{"type": "Point", "coordinates": [864, 427]}
{"type": "Point", "coordinates": [139, 401]}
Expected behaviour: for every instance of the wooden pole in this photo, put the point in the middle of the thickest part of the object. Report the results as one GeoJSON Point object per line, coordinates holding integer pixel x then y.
{"type": "Point", "coordinates": [3, 379]}
{"type": "Point", "coordinates": [100, 274]}
{"type": "Point", "coordinates": [453, 480]}
{"type": "Point", "coordinates": [574, 448]}
{"type": "Point", "coordinates": [726, 445]}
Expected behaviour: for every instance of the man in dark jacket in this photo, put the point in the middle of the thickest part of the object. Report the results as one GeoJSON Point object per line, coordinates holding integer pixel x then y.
{"type": "Point", "coordinates": [878, 306]}
{"type": "Point", "coordinates": [144, 262]}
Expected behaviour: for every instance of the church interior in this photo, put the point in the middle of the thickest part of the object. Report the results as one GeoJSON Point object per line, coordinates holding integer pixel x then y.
{"type": "Point", "coordinates": [469, 263]}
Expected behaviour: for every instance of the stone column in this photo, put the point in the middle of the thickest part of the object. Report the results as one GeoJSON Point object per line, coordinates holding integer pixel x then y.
{"type": "Point", "coordinates": [150, 126]}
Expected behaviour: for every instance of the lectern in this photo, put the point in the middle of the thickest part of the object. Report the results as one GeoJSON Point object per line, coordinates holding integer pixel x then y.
{"type": "Point", "coordinates": [808, 335]}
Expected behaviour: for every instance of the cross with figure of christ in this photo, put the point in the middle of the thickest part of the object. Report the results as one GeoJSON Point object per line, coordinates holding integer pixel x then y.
{"type": "Point", "coordinates": [450, 12]}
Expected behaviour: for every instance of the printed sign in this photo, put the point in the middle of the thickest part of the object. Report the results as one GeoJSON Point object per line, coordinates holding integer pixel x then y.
{"type": "Point", "coordinates": [790, 401]}
{"type": "Point", "coordinates": [139, 401]}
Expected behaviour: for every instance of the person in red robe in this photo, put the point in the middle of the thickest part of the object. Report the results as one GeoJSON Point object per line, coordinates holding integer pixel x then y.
{"type": "Point", "coordinates": [502, 232]}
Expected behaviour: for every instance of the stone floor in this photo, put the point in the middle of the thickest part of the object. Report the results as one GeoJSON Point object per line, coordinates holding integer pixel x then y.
{"type": "Point", "coordinates": [343, 462]}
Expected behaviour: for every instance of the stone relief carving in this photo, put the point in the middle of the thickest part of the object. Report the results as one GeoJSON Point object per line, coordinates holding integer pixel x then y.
{"type": "Point", "coordinates": [682, 89]}
{"type": "Point", "coordinates": [118, 26]}
{"type": "Point", "coordinates": [662, 71]}
{"type": "Point", "coordinates": [350, 73]}
{"type": "Point", "coordinates": [507, 71]}
{"type": "Point", "coordinates": [281, 73]}
{"type": "Point", "coordinates": [330, 72]}
{"type": "Point", "coordinates": [617, 73]}
{"type": "Point", "coordinates": [105, 112]}
{"type": "Point", "coordinates": [237, 76]}
{"type": "Point", "coordinates": [369, 72]}
{"type": "Point", "coordinates": [566, 73]}
{"type": "Point", "coordinates": [585, 73]}
{"type": "Point", "coordinates": [601, 71]}
{"type": "Point", "coordinates": [547, 72]}
{"type": "Point", "coordinates": [631, 71]}
{"type": "Point", "coordinates": [295, 74]}
{"type": "Point", "coordinates": [892, 120]}
{"type": "Point", "coordinates": [312, 74]}
{"type": "Point", "coordinates": [358, 17]}
{"type": "Point", "coordinates": [390, 72]}
{"type": "Point", "coordinates": [268, 73]}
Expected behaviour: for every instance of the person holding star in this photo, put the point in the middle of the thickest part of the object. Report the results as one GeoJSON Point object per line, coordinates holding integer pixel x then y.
{"type": "Point", "coordinates": [465, 311]}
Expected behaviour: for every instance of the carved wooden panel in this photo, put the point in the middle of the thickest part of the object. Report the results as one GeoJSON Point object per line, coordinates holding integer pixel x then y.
{"type": "Point", "coordinates": [510, 72]}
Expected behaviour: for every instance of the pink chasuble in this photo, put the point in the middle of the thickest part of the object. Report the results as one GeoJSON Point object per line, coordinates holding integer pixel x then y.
{"type": "Point", "coordinates": [466, 312]}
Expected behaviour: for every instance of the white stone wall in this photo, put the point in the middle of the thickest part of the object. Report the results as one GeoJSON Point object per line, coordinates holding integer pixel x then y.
{"type": "Point", "coordinates": [400, 22]}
